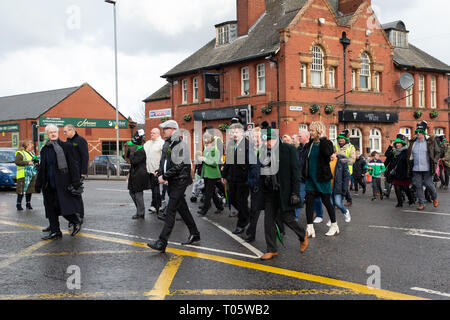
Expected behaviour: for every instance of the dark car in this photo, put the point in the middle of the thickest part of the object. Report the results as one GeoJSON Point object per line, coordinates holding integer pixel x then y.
{"type": "Point", "coordinates": [105, 165]}
{"type": "Point", "coordinates": [8, 168]}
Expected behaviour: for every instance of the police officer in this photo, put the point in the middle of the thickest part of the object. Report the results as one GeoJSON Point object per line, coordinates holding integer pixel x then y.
{"type": "Point", "coordinates": [348, 150]}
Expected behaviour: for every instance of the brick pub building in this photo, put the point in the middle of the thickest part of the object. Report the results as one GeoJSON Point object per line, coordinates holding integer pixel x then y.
{"type": "Point", "coordinates": [281, 60]}
{"type": "Point", "coordinates": [92, 115]}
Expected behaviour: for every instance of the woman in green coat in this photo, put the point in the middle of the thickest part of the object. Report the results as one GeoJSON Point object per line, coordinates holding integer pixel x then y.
{"type": "Point", "coordinates": [211, 174]}
{"type": "Point", "coordinates": [26, 174]}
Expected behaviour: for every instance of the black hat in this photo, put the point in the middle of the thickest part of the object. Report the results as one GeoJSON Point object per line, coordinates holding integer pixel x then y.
{"type": "Point", "coordinates": [401, 136]}
{"type": "Point", "coordinates": [344, 135]}
{"type": "Point", "coordinates": [138, 137]}
{"type": "Point", "coordinates": [422, 127]}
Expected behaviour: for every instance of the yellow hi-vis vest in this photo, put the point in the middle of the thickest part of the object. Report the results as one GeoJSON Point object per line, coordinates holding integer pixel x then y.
{"type": "Point", "coordinates": [20, 169]}
{"type": "Point", "coordinates": [348, 152]}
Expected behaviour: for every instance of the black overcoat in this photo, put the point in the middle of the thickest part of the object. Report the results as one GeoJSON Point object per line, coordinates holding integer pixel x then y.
{"type": "Point", "coordinates": [139, 179]}
{"type": "Point", "coordinates": [68, 203]}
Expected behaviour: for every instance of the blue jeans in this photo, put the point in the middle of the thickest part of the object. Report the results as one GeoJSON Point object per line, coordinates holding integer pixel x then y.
{"type": "Point", "coordinates": [336, 199]}
{"type": "Point", "coordinates": [302, 198]}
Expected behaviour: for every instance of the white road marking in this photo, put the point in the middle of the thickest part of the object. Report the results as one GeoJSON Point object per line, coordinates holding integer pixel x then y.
{"type": "Point", "coordinates": [237, 238]}
{"type": "Point", "coordinates": [431, 291]}
{"type": "Point", "coordinates": [119, 190]}
{"type": "Point", "coordinates": [419, 232]}
{"type": "Point", "coordinates": [428, 212]}
{"type": "Point", "coordinates": [173, 243]}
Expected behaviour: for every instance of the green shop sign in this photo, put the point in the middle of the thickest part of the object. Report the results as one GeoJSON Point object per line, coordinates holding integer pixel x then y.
{"type": "Point", "coordinates": [82, 122]}
{"type": "Point", "coordinates": [9, 127]}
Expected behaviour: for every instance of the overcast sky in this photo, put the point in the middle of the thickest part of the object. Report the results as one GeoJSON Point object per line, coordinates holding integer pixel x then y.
{"type": "Point", "coordinates": [50, 44]}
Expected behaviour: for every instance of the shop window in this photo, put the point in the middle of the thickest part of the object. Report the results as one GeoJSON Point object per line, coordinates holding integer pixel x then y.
{"type": "Point", "coordinates": [332, 131]}
{"type": "Point", "coordinates": [109, 148]}
{"type": "Point", "coordinates": [439, 131]}
{"type": "Point", "coordinates": [356, 138]}
{"type": "Point", "coordinates": [375, 140]}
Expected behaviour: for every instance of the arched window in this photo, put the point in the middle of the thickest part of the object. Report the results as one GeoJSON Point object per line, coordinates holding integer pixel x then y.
{"type": "Point", "coordinates": [356, 138]}
{"type": "Point", "coordinates": [375, 140]}
{"type": "Point", "coordinates": [364, 74]}
{"type": "Point", "coordinates": [406, 131]}
{"type": "Point", "coordinates": [439, 131]}
{"type": "Point", "coordinates": [317, 67]}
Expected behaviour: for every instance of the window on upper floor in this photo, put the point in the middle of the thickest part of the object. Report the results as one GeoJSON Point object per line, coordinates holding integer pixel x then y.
{"type": "Point", "coordinates": [398, 38]}
{"type": "Point", "coordinates": [421, 91]}
{"type": "Point", "coordinates": [245, 81]}
{"type": "Point", "coordinates": [303, 75]}
{"type": "Point", "coordinates": [184, 91]}
{"type": "Point", "coordinates": [332, 77]}
{"type": "Point", "coordinates": [195, 90]}
{"type": "Point", "coordinates": [364, 73]}
{"type": "Point", "coordinates": [317, 67]}
{"type": "Point", "coordinates": [377, 82]}
{"type": "Point", "coordinates": [261, 81]}
{"type": "Point", "coordinates": [409, 97]}
{"type": "Point", "coordinates": [226, 33]}
{"type": "Point", "coordinates": [353, 79]}
{"type": "Point", "coordinates": [433, 101]}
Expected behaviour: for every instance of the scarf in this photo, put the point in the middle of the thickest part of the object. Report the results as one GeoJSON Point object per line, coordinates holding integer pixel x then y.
{"type": "Point", "coordinates": [60, 157]}
{"type": "Point", "coordinates": [397, 152]}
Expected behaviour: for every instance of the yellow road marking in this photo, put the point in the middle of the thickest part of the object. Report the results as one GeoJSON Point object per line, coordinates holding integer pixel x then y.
{"type": "Point", "coordinates": [14, 232]}
{"type": "Point", "coordinates": [65, 295]}
{"type": "Point", "coordinates": [162, 285]}
{"type": "Point", "coordinates": [22, 253]}
{"type": "Point", "coordinates": [75, 253]}
{"type": "Point", "coordinates": [261, 292]}
{"type": "Point", "coordinates": [362, 289]}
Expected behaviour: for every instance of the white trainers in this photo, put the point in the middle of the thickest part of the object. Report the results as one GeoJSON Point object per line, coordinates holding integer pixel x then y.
{"type": "Point", "coordinates": [334, 230]}
{"type": "Point", "coordinates": [152, 209]}
{"type": "Point", "coordinates": [347, 216]}
{"type": "Point", "coordinates": [329, 223]}
{"type": "Point", "coordinates": [318, 220]}
{"type": "Point", "coordinates": [310, 230]}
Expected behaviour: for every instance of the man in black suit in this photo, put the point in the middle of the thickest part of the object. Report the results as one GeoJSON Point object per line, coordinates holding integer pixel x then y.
{"type": "Point", "coordinates": [81, 155]}
{"type": "Point", "coordinates": [235, 175]}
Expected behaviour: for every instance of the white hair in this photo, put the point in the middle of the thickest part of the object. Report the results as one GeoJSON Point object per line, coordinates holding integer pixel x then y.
{"type": "Point", "coordinates": [305, 132]}
{"type": "Point", "coordinates": [50, 126]}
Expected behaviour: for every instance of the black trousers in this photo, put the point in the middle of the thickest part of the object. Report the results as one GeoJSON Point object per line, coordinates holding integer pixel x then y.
{"type": "Point", "coordinates": [238, 194]}
{"type": "Point", "coordinates": [360, 181]}
{"type": "Point", "coordinates": [274, 216]}
{"type": "Point", "coordinates": [156, 193]}
{"type": "Point", "coordinates": [399, 193]}
{"type": "Point", "coordinates": [445, 173]}
{"type": "Point", "coordinates": [254, 214]}
{"type": "Point", "coordinates": [210, 193]}
{"type": "Point", "coordinates": [177, 203]}
{"type": "Point", "coordinates": [51, 203]}
{"type": "Point", "coordinates": [326, 200]}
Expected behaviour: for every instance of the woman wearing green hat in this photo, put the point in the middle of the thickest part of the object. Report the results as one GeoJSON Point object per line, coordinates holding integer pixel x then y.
{"type": "Point", "coordinates": [399, 172]}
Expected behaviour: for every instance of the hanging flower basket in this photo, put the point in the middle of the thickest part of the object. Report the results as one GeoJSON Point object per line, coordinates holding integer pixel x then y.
{"type": "Point", "coordinates": [329, 109]}
{"type": "Point", "coordinates": [434, 114]}
{"type": "Point", "coordinates": [223, 127]}
{"type": "Point", "coordinates": [266, 110]}
{"type": "Point", "coordinates": [164, 119]}
{"type": "Point", "coordinates": [418, 114]}
{"type": "Point", "coordinates": [314, 109]}
{"type": "Point", "coordinates": [187, 117]}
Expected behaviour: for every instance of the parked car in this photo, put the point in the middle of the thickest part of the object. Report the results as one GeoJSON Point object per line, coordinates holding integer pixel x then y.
{"type": "Point", "coordinates": [102, 164]}
{"type": "Point", "coordinates": [8, 168]}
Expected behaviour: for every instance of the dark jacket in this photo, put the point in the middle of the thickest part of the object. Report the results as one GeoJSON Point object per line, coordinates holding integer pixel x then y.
{"type": "Point", "coordinates": [48, 172]}
{"type": "Point", "coordinates": [399, 166]}
{"type": "Point", "coordinates": [326, 150]}
{"type": "Point", "coordinates": [81, 152]}
{"type": "Point", "coordinates": [302, 152]}
{"type": "Point", "coordinates": [341, 176]}
{"type": "Point", "coordinates": [176, 160]}
{"type": "Point", "coordinates": [237, 165]}
{"type": "Point", "coordinates": [389, 156]}
{"type": "Point", "coordinates": [139, 179]}
{"type": "Point", "coordinates": [254, 170]}
{"type": "Point", "coordinates": [359, 168]}
{"type": "Point", "coordinates": [433, 151]}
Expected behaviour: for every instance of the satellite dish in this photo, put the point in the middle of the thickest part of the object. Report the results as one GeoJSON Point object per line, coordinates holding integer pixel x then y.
{"type": "Point", "coordinates": [406, 81]}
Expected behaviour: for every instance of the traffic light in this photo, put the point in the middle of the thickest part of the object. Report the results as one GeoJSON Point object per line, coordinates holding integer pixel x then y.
{"type": "Point", "coordinates": [243, 117]}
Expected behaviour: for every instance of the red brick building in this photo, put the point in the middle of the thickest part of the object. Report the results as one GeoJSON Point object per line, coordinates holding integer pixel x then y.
{"type": "Point", "coordinates": [82, 106]}
{"type": "Point", "coordinates": [280, 58]}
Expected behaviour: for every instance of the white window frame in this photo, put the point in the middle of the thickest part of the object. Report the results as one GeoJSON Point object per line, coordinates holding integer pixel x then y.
{"type": "Point", "coordinates": [433, 93]}
{"type": "Point", "coordinates": [409, 97]}
{"type": "Point", "coordinates": [406, 131]}
{"type": "Point", "coordinates": [375, 138]}
{"type": "Point", "coordinates": [184, 91]}
{"type": "Point", "coordinates": [303, 126]}
{"type": "Point", "coordinates": [195, 89]}
{"type": "Point", "coordinates": [377, 81]}
{"type": "Point", "coordinates": [261, 78]}
{"type": "Point", "coordinates": [317, 67]}
{"type": "Point", "coordinates": [245, 81]}
{"type": "Point", "coordinates": [332, 77]}
{"type": "Point", "coordinates": [421, 91]}
{"type": "Point", "coordinates": [303, 75]}
{"type": "Point", "coordinates": [353, 79]}
{"type": "Point", "coordinates": [364, 72]}
{"type": "Point", "coordinates": [332, 133]}
{"type": "Point", "coordinates": [357, 133]}
{"type": "Point", "coordinates": [439, 131]}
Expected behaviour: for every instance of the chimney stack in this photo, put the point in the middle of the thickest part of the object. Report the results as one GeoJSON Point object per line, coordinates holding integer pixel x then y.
{"type": "Point", "coordinates": [248, 12]}
{"type": "Point", "coordinates": [350, 6]}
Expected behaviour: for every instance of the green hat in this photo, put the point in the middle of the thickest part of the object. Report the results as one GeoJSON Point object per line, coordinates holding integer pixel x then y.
{"type": "Point", "coordinates": [398, 140]}
{"type": "Point", "coordinates": [269, 134]}
{"type": "Point", "coordinates": [344, 135]}
{"type": "Point", "coordinates": [422, 127]}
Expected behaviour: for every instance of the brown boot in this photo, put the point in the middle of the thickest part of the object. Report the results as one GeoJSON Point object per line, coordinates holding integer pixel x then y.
{"type": "Point", "coordinates": [304, 244]}
{"type": "Point", "coordinates": [269, 255]}
{"type": "Point", "coordinates": [436, 203]}
{"type": "Point", "coordinates": [421, 207]}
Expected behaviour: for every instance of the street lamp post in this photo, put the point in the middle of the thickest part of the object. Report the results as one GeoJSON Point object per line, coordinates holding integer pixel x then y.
{"type": "Point", "coordinates": [117, 87]}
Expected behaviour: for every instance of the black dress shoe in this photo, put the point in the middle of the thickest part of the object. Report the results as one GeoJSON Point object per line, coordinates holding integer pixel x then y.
{"type": "Point", "coordinates": [54, 235]}
{"type": "Point", "coordinates": [249, 238]}
{"type": "Point", "coordinates": [46, 229]}
{"type": "Point", "coordinates": [19, 207]}
{"type": "Point", "coordinates": [202, 213]}
{"type": "Point", "coordinates": [161, 216]}
{"type": "Point", "coordinates": [158, 245]}
{"type": "Point", "coordinates": [136, 216]}
{"type": "Point", "coordinates": [29, 207]}
{"type": "Point", "coordinates": [192, 239]}
{"type": "Point", "coordinates": [76, 229]}
{"type": "Point", "coordinates": [238, 230]}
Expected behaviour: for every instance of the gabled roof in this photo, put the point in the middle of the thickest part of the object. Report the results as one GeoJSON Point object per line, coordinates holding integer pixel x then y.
{"type": "Point", "coordinates": [162, 94]}
{"type": "Point", "coordinates": [414, 58]}
{"type": "Point", "coordinates": [32, 105]}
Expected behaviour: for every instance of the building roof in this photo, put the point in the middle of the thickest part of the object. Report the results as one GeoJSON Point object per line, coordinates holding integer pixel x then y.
{"type": "Point", "coordinates": [162, 94]}
{"type": "Point", "coordinates": [32, 105]}
{"type": "Point", "coordinates": [414, 58]}
{"type": "Point", "coordinates": [396, 25]}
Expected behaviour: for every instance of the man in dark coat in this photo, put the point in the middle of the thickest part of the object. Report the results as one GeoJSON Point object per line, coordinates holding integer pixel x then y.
{"type": "Point", "coordinates": [58, 174]}
{"type": "Point", "coordinates": [175, 171]}
{"type": "Point", "coordinates": [81, 155]}
{"type": "Point", "coordinates": [280, 185]}
{"type": "Point", "coordinates": [235, 175]}
{"type": "Point", "coordinates": [139, 178]}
